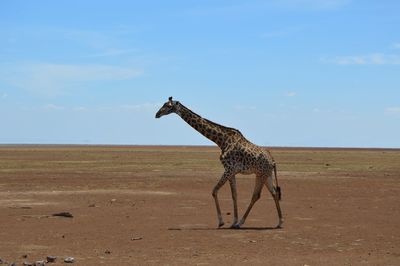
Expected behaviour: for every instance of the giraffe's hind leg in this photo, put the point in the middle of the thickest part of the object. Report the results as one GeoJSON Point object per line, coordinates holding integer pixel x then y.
{"type": "Point", "coordinates": [275, 195]}
{"type": "Point", "coordinates": [256, 196]}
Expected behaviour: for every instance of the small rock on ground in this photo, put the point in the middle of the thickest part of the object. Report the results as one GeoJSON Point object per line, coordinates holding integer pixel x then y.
{"type": "Point", "coordinates": [51, 258]}
{"type": "Point", "coordinates": [69, 260]}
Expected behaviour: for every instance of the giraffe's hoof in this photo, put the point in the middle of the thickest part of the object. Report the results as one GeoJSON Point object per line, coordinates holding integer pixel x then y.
{"type": "Point", "coordinates": [221, 224]}
{"type": "Point", "coordinates": [235, 226]}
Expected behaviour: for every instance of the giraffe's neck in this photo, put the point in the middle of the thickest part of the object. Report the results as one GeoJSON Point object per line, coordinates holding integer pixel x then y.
{"type": "Point", "coordinates": [218, 134]}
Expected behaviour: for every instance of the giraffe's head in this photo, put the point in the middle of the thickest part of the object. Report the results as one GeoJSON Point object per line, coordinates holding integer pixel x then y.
{"type": "Point", "coordinates": [168, 108]}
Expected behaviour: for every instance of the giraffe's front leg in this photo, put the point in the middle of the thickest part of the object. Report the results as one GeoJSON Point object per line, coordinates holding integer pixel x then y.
{"type": "Point", "coordinates": [232, 183]}
{"type": "Point", "coordinates": [220, 183]}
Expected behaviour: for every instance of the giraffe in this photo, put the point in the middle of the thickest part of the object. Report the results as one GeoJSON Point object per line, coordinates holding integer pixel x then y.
{"type": "Point", "coordinates": [238, 156]}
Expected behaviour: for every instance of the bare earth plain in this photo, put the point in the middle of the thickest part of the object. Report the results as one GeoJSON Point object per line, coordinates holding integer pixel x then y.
{"type": "Point", "coordinates": [136, 205]}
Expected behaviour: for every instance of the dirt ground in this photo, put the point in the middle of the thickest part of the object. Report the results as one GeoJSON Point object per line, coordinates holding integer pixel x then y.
{"type": "Point", "coordinates": [134, 205]}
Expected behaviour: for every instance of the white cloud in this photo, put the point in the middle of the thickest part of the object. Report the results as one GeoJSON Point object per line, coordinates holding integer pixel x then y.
{"type": "Point", "coordinates": [371, 59]}
{"type": "Point", "coordinates": [141, 107]}
{"type": "Point", "coordinates": [394, 110]}
{"type": "Point", "coordinates": [245, 7]}
{"type": "Point", "coordinates": [80, 109]}
{"type": "Point", "coordinates": [290, 94]}
{"type": "Point", "coordinates": [83, 72]}
{"type": "Point", "coordinates": [54, 79]}
{"type": "Point", "coordinates": [245, 108]}
{"type": "Point", "coordinates": [88, 43]}
{"type": "Point", "coordinates": [98, 40]}
{"type": "Point", "coordinates": [396, 45]}
{"type": "Point", "coordinates": [314, 4]}
{"type": "Point", "coordinates": [51, 106]}
{"type": "Point", "coordinates": [282, 32]}
{"type": "Point", "coordinates": [4, 95]}
{"type": "Point", "coordinates": [113, 52]}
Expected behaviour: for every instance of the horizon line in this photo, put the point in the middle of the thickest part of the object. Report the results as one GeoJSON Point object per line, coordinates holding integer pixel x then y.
{"type": "Point", "coordinates": [199, 146]}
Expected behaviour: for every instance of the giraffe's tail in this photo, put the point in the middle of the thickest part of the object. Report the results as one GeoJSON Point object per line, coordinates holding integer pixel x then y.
{"type": "Point", "coordinates": [278, 188]}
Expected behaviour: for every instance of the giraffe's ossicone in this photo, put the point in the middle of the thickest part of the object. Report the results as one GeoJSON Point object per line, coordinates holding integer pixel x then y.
{"type": "Point", "coordinates": [238, 156]}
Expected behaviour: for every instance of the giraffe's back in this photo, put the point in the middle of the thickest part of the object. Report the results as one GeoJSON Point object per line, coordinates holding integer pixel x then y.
{"type": "Point", "coordinates": [247, 158]}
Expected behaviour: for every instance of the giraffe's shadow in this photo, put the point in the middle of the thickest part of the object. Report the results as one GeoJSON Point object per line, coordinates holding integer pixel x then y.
{"type": "Point", "coordinates": [224, 228]}
{"type": "Point", "coordinates": [250, 228]}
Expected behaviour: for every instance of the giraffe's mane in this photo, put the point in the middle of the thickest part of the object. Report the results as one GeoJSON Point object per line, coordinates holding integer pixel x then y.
{"type": "Point", "coordinates": [213, 123]}
{"type": "Point", "coordinates": [224, 127]}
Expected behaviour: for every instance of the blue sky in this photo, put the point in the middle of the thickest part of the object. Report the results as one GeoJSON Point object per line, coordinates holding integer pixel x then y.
{"type": "Point", "coordinates": [285, 73]}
